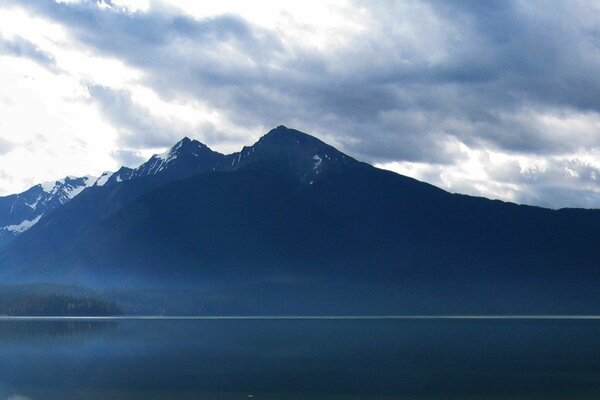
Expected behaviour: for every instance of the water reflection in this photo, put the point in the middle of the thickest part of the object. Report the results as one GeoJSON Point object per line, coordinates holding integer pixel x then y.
{"type": "Point", "coordinates": [300, 360]}
{"type": "Point", "coordinates": [50, 332]}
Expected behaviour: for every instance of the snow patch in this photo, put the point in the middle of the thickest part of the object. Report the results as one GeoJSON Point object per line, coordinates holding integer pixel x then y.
{"type": "Point", "coordinates": [71, 192]}
{"type": "Point", "coordinates": [104, 178]}
{"type": "Point", "coordinates": [23, 226]}
{"type": "Point", "coordinates": [170, 154]}
{"type": "Point", "coordinates": [89, 180]}
{"type": "Point", "coordinates": [33, 205]}
{"type": "Point", "coordinates": [48, 186]}
{"type": "Point", "coordinates": [318, 161]}
{"type": "Point", "coordinates": [163, 156]}
{"type": "Point", "coordinates": [161, 160]}
{"type": "Point", "coordinates": [72, 189]}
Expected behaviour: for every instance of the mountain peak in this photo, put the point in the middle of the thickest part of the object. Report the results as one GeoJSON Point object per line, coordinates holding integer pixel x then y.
{"type": "Point", "coordinates": [186, 141]}
{"type": "Point", "coordinates": [185, 146]}
{"type": "Point", "coordinates": [187, 157]}
{"type": "Point", "coordinates": [69, 186]}
{"type": "Point", "coordinates": [305, 155]}
{"type": "Point", "coordinates": [283, 134]}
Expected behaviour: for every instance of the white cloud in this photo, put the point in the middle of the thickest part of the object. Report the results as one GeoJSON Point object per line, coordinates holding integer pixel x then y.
{"type": "Point", "coordinates": [48, 116]}
{"type": "Point", "coordinates": [550, 181]}
{"type": "Point", "coordinates": [53, 129]}
{"type": "Point", "coordinates": [319, 24]}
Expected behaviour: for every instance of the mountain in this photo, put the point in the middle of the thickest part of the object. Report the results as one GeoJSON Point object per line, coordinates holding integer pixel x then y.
{"type": "Point", "coordinates": [19, 212]}
{"type": "Point", "coordinates": [301, 155]}
{"type": "Point", "coordinates": [186, 158]}
{"type": "Point", "coordinates": [290, 225]}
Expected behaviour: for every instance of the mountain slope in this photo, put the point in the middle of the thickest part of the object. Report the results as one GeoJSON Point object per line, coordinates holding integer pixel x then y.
{"type": "Point", "coordinates": [111, 192]}
{"type": "Point", "coordinates": [291, 225]}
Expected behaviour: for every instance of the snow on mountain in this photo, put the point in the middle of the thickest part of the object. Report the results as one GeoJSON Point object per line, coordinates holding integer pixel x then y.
{"type": "Point", "coordinates": [23, 226]}
{"type": "Point", "coordinates": [19, 212]}
{"type": "Point", "coordinates": [103, 179]}
{"type": "Point", "coordinates": [65, 189]}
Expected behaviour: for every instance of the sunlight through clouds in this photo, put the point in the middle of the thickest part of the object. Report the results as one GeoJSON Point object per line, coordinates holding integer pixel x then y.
{"type": "Point", "coordinates": [39, 103]}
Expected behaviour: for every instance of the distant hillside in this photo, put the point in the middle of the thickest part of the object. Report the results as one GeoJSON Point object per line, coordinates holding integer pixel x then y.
{"type": "Point", "coordinates": [47, 301]}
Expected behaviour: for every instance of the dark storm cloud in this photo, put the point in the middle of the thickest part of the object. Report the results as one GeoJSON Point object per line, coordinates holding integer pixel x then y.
{"type": "Point", "coordinates": [423, 76]}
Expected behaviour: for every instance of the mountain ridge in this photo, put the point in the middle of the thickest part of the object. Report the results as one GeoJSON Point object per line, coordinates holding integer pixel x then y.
{"type": "Point", "coordinates": [19, 212]}
{"type": "Point", "coordinates": [291, 224]}
{"type": "Point", "coordinates": [185, 158]}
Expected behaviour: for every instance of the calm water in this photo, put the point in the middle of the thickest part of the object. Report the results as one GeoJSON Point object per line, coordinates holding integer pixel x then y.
{"type": "Point", "coordinates": [300, 359]}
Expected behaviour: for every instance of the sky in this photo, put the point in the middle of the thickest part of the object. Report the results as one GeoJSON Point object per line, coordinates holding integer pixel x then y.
{"type": "Point", "coordinates": [490, 98]}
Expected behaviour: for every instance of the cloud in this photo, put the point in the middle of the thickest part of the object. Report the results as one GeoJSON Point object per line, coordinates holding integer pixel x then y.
{"type": "Point", "coordinates": [20, 47]}
{"type": "Point", "coordinates": [5, 146]}
{"type": "Point", "coordinates": [137, 126]}
{"type": "Point", "coordinates": [128, 158]}
{"type": "Point", "coordinates": [477, 72]}
{"type": "Point", "coordinates": [430, 85]}
{"type": "Point", "coordinates": [150, 126]}
{"type": "Point", "coordinates": [549, 181]}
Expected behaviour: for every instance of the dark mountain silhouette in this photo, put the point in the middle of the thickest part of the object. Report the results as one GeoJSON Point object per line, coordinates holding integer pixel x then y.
{"type": "Point", "coordinates": [291, 225]}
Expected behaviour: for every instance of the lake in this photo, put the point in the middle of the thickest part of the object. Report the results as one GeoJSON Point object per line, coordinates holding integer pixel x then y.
{"type": "Point", "coordinates": [300, 359]}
